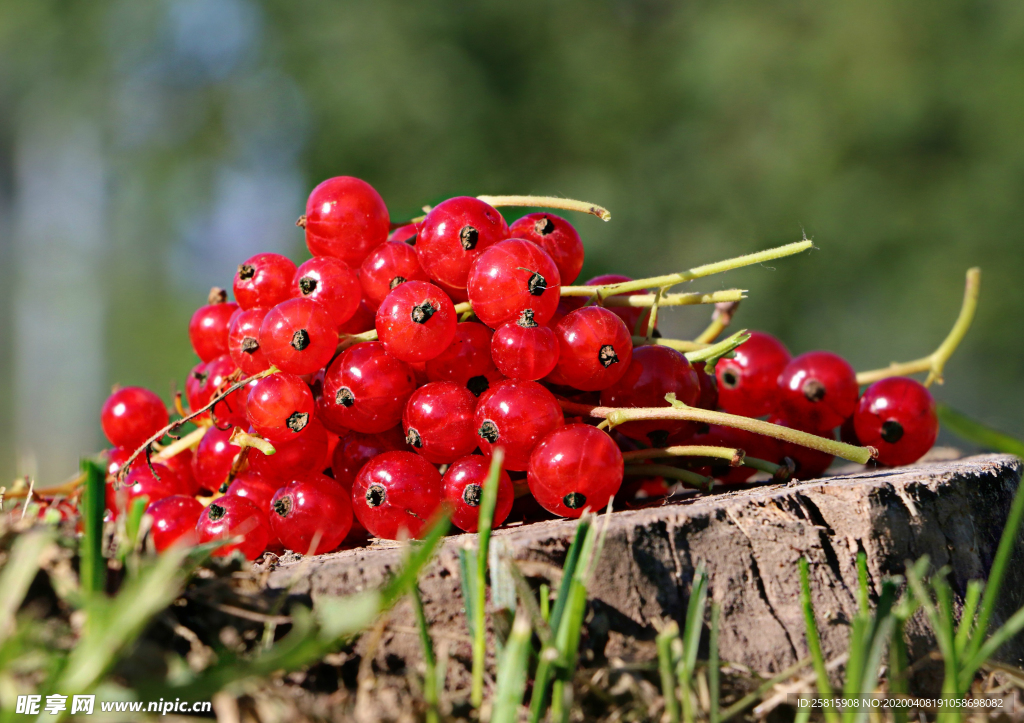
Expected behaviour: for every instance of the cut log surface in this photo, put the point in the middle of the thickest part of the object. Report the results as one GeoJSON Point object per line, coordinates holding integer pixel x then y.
{"type": "Point", "coordinates": [750, 541]}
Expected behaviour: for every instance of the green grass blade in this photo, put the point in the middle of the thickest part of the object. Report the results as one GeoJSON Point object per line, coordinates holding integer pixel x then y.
{"type": "Point", "coordinates": [814, 641]}
{"type": "Point", "coordinates": [991, 646]}
{"type": "Point", "coordinates": [511, 683]}
{"type": "Point", "coordinates": [750, 698]}
{"type": "Point", "coordinates": [966, 625]}
{"type": "Point", "coordinates": [545, 602]}
{"type": "Point", "coordinates": [665, 670]}
{"type": "Point", "coordinates": [859, 642]}
{"type": "Point", "coordinates": [419, 554]}
{"type": "Point", "coordinates": [93, 566]}
{"type": "Point", "coordinates": [863, 599]}
{"type": "Point", "coordinates": [877, 641]}
{"type": "Point", "coordinates": [898, 668]}
{"type": "Point", "coordinates": [694, 623]}
{"type": "Point", "coordinates": [467, 570]}
{"type": "Point", "coordinates": [572, 559]}
{"type": "Point", "coordinates": [713, 665]}
{"type": "Point", "coordinates": [978, 433]}
{"type": "Point", "coordinates": [18, 573]}
{"type": "Point", "coordinates": [486, 521]}
{"type": "Point", "coordinates": [430, 682]}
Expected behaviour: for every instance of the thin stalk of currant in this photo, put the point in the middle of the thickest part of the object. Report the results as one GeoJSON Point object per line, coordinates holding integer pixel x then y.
{"type": "Point", "coordinates": [696, 351]}
{"type": "Point", "coordinates": [686, 299]}
{"type": "Point", "coordinates": [721, 317]}
{"type": "Point", "coordinates": [184, 420]}
{"type": "Point", "coordinates": [692, 479]}
{"type": "Point", "coordinates": [935, 362]}
{"type": "Point", "coordinates": [619, 415]}
{"type": "Point", "coordinates": [735, 457]}
{"type": "Point", "coordinates": [244, 439]}
{"type": "Point", "coordinates": [561, 204]}
{"type": "Point", "coordinates": [603, 292]}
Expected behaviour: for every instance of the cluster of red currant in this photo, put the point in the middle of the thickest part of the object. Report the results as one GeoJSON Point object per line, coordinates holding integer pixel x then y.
{"type": "Point", "coordinates": [370, 385]}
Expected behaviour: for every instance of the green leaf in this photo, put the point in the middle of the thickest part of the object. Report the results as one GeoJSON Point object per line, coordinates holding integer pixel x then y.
{"type": "Point", "coordinates": [978, 433]}
{"type": "Point", "coordinates": [93, 566]}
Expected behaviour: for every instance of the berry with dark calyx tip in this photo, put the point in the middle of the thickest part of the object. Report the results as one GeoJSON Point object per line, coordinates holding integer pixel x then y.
{"type": "Point", "coordinates": [299, 336]}
{"type": "Point", "coordinates": [388, 266]}
{"type": "Point", "coordinates": [524, 350]}
{"type": "Point", "coordinates": [467, 360]}
{"type": "Point", "coordinates": [754, 445]}
{"type": "Point", "coordinates": [253, 486]}
{"type": "Point", "coordinates": [454, 234]}
{"type": "Point", "coordinates": [181, 465]}
{"type": "Point", "coordinates": [817, 391]}
{"type": "Point", "coordinates": [574, 468]}
{"type": "Point", "coordinates": [511, 277]}
{"type": "Point", "coordinates": [304, 454]}
{"type": "Point", "coordinates": [362, 320]}
{"type": "Point", "coordinates": [897, 417]}
{"type": "Point", "coordinates": [197, 393]}
{"type": "Point", "coordinates": [515, 415]}
{"type": "Point", "coordinates": [264, 281]}
{"type": "Point", "coordinates": [217, 376]}
{"type": "Point", "coordinates": [463, 489]}
{"type": "Point", "coordinates": [233, 516]}
{"type": "Point", "coordinates": [208, 329]}
{"type": "Point", "coordinates": [280, 407]}
{"type": "Point", "coordinates": [213, 458]}
{"type": "Point", "coordinates": [708, 398]}
{"type": "Point", "coordinates": [174, 521]}
{"type": "Point", "coordinates": [438, 422]}
{"type": "Point", "coordinates": [356, 449]}
{"type": "Point", "coordinates": [405, 234]}
{"type": "Point", "coordinates": [365, 389]}
{"type": "Point", "coordinates": [595, 349]}
{"type": "Point", "coordinates": [556, 236]}
{"type": "Point", "coordinates": [809, 463]}
{"type": "Point", "coordinates": [396, 494]}
{"type": "Point", "coordinates": [243, 341]}
{"type": "Point", "coordinates": [748, 383]}
{"type": "Point", "coordinates": [345, 218]}
{"type": "Point", "coordinates": [131, 415]}
{"type": "Point", "coordinates": [142, 481]}
{"type": "Point", "coordinates": [311, 509]}
{"type": "Point", "coordinates": [416, 321]}
{"type": "Point", "coordinates": [653, 372]}
{"type": "Point", "coordinates": [331, 282]}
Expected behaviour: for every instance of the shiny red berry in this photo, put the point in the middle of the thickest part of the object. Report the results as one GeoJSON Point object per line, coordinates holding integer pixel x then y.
{"type": "Point", "coordinates": [244, 344]}
{"type": "Point", "coordinates": [457, 295]}
{"type": "Point", "coordinates": [174, 521]}
{"type": "Point", "coordinates": [467, 360]}
{"type": "Point", "coordinates": [216, 377]}
{"type": "Point", "coordinates": [595, 349]}
{"type": "Point", "coordinates": [708, 398]}
{"type": "Point", "coordinates": [438, 422]}
{"type": "Point", "coordinates": [515, 415]}
{"type": "Point", "coordinates": [305, 454]}
{"type": "Point", "coordinates": [181, 465]}
{"type": "Point", "coordinates": [356, 449]}
{"type": "Point", "coordinates": [142, 481]}
{"type": "Point", "coordinates": [264, 281]}
{"type": "Point", "coordinates": [810, 463]}
{"type": "Point", "coordinates": [116, 457]}
{"type": "Point", "coordinates": [405, 234]}
{"type": "Point", "coordinates": [311, 510]}
{"type": "Point", "coordinates": [208, 329]}
{"type": "Point", "coordinates": [758, 446]}
{"type": "Point", "coordinates": [253, 486]}
{"type": "Point", "coordinates": [213, 458]}
{"type": "Point", "coordinates": [748, 383]}
{"type": "Point", "coordinates": [331, 282]}
{"type": "Point", "coordinates": [574, 468]}
{"type": "Point", "coordinates": [299, 336]}
{"type": "Point", "coordinates": [131, 415]}
{"type": "Point", "coordinates": [556, 236]}
{"type": "Point", "coordinates": [511, 277]}
{"type": "Point", "coordinates": [396, 493]}
{"type": "Point", "coordinates": [362, 320]}
{"type": "Point", "coordinates": [232, 516]}
{"type": "Point", "coordinates": [416, 321]}
{"type": "Point", "coordinates": [365, 389]}
{"type": "Point", "coordinates": [653, 372]}
{"type": "Point", "coordinates": [630, 315]}
{"type": "Point", "coordinates": [524, 350]}
{"type": "Point", "coordinates": [280, 407]}
{"type": "Point", "coordinates": [345, 218]}
{"type": "Point", "coordinates": [818, 390]}
{"type": "Point", "coordinates": [388, 266]}
{"type": "Point", "coordinates": [897, 417]}
{"type": "Point", "coordinates": [454, 234]}
{"type": "Point", "coordinates": [463, 489]}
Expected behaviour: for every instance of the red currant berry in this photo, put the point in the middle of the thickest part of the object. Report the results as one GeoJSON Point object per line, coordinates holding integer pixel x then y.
{"type": "Point", "coordinates": [438, 422]}
{"type": "Point", "coordinates": [295, 457]}
{"type": "Point", "coordinates": [595, 349]}
{"type": "Point", "coordinates": [748, 383]}
{"type": "Point", "coordinates": [131, 415]}
{"type": "Point", "coordinates": [153, 484]}
{"type": "Point", "coordinates": [556, 236]}
{"type": "Point", "coordinates": [848, 432]}
{"type": "Point", "coordinates": [362, 320]}
{"type": "Point", "coordinates": [405, 234]}
{"type": "Point", "coordinates": [897, 417]}
{"type": "Point", "coordinates": [331, 282]}
{"type": "Point", "coordinates": [515, 415]}
{"type": "Point", "coordinates": [467, 360]}
{"type": "Point", "coordinates": [416, 322]}
{"type": "Point", "coordinates": [214, 456]}
{"type": "Point", "coordinates": [388, 266]}
{"type": "Point", "coordinates": [264, 281]}
{"type": "Point", "coordinates": [253, 486]}
{"type": "Point", "coordinates": [457, 295]}
{"type": "Point", "coordinates": [357, 449]}
{"type": "Point", "coordinates": [524, 350]}
{"type": "Point", "coordinates": [116, 457]}
{"type": "Point", "coordinates": [708, 388]}
{"type": "Point", "coordinates": [818, 390]}
{"type": "Point", "coordinates": [208, 329]}
{"type": "Point", "coordinates": [463, 489]}
{"type": "Point", "coordinates": [244, 344]}
{"type": "Point", "coordinates": [454, 234]}
{"type": "Point", "coordinates": [299, 336]}
{"type": "Point", "coordinates": [181, 465]}
{"type": "Point", "coordinates": [396, 493]}
{"type": "Point", "coordinates": [232, 516]}
{"type": "Point", "coordinates": [311, 515]}
{"type": "Point", "coordinates": [810, 463]}
{"type": "Point", "coordinates": [511, 277]}
{"type": "Point", "coordinates": [280, 407]}
{"type": "Point", "coordinates": [654, 372]}
{"type": "Point", "coordinates": [217, 377]}
{"type": "Point", "coordinates": [174, 521]}
{"type": "Point", "coordinates": [345, 218]}
{"type": "Point", "coordinates": [365, 389]}
{"type": "Point", "coordinates": [753, 445]}
{"type": "Point", "coordinates": [574, 468]}
{"type": "Point", "coordinates": [629, 315]}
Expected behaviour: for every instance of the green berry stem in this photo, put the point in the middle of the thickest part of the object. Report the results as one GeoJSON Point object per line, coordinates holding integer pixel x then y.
{"type": "Point", "coordinates": [244, 439]}
{"type": "Point", "coordinates": [688, 299]}
{"type": "Point", "coordinates": [713, 353]}
{"type": "Point", "coordinates": [935, 362]}
{"type": "Point", "coordinates": [678, 344]}
{"type": "Point", "coordinates": [721, 317]}
{"type": "Point", "coordinates": [734, 456]}
{"type": "Point", "coordinates": [697, 272]}
{"type": "Point", "coordinates": [562, 204]}
{"type": "Point", "coordinates": [693, 479]}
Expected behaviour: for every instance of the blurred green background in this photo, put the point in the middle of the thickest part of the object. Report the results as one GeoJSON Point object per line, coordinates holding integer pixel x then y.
{"type": "Point", "coordinates": [147, 148]}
